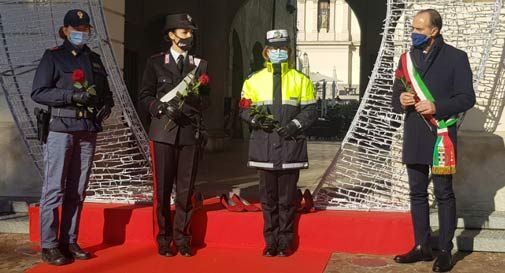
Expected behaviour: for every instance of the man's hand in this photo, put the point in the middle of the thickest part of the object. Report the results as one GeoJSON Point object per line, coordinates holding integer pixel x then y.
{"type": "Point", "coordinates": [407, 99]}
{"type": "Point", "coordinates": [426, 107]}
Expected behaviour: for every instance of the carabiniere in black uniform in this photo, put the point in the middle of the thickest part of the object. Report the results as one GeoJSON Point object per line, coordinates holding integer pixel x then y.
{"type": "Point", "coordinates": [173, 140]}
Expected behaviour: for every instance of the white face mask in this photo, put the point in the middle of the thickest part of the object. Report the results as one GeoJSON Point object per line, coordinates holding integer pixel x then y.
{"type": "Point", "coordinates": [78, 38]}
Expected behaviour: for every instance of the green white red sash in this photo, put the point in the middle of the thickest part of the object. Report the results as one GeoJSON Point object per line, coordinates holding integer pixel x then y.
{"type": "Point", "coordinates": [444, 157]}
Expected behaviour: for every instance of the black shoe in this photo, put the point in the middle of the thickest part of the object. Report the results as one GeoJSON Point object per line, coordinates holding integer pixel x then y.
{"type": "Point", "coordinates": [284, 251]}
{"type": "Point", "coordinates": [270, 251]}
{"type": "Point", "coordinates": [166, 251]}
{"type": "Point", "coordinates": [185, 251]}
{"type": "Point", "coordinates": [54, 256]}
{"type": "Point", "coordinates": [443, 263]}
{"type": "Point", "coordinates": [417, 254]}
{"type": "Point", "coordinates": [75, 251]}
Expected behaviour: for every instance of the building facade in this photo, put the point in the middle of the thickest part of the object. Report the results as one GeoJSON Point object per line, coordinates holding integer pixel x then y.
{"type": "Point", "coordinates": [328, 43]}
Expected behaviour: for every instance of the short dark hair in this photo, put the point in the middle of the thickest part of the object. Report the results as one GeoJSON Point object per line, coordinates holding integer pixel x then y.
{"type": "Point", "coordinates": [435, 18]}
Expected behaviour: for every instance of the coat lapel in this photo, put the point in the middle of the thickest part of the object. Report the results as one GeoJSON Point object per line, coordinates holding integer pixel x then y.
{"type": "Point", "coordinates": [189, 65]}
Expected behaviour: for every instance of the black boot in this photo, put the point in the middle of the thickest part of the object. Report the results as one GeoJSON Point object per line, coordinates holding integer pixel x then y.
{"type": "Point", "coordinates": [75, 251]}
{"type": "Point", "coordinates": [443, 263]}
{"type": "Point", "coordinates": [270, 251]}
{"type": "Point", "coordinates": [284, 250]}
{"type": "Point", "coordinates": [54, 256]}
{"type": "Point", "coordinates": [417, 254]}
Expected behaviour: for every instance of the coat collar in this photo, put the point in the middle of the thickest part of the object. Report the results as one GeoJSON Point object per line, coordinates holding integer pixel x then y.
{"type": "Point", "coordinates": [423, 61]}
{"type": "Point", "coordinates": [284, 67]}
{"type": "Point", "coordinates": [75, 51]}
{"type": "Point", "coordinates": [171, 64]}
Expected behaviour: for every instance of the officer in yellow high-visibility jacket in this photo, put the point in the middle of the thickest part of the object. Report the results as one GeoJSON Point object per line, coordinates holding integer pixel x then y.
{"type": "Point", "coordinates": [277, 147]}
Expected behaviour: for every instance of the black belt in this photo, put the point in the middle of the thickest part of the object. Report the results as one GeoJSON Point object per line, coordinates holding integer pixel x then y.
{"type": "Point", "coordinates": [72, 113]}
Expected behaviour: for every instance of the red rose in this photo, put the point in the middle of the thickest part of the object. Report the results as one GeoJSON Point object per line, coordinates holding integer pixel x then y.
{"type": "Point", "coordinates": [245, 103]}
{"type": "Point", "coordinates": [399, 73]}
{"type": "Point", "coordinates": [78, 76]}
{"type": "Point", "coordinates": [204, 80]}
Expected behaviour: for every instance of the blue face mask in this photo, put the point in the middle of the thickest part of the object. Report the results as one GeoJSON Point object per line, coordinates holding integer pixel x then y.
{"type": "Point", "coordinates": [78, 38]}
{"type": "Point", "coordinates": [419, 40]}
{"type": "Point", "coordinates": [278, 55]}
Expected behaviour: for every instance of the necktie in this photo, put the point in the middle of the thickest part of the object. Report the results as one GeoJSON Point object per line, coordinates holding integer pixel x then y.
{"type": "Point", "coordinates": [180, 63]}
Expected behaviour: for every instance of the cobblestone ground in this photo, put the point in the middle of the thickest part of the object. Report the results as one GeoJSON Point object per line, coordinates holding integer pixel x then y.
{"type": "Point", "coordinates": [17, 253]}
{"type": "Point", "coordinates": [466, 262]}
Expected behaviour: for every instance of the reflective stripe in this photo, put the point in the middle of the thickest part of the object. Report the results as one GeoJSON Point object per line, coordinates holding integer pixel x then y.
{"type": "Point", "coordinates": [308, 102]}
{"type": "Point", "coordinates": [297, 122]}
{"type": "Point", "coordinates": [269, 102]}
{"type": "Point", "coordinates": [260, 164]}
{"type": "Point", "coordinates": [295, 165]}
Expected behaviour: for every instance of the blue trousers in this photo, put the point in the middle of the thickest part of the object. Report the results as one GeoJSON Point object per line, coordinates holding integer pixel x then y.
{"type": "Point", "coordinates": [68, 158]}
{"type": "Point", "coordinates": [446, 201]}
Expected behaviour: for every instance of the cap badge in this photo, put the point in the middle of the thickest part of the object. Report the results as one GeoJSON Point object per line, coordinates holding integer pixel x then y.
{"type": "Point", "coordinates": [189, 18]}
{"type": "Point", "coordinates": [80, 14]}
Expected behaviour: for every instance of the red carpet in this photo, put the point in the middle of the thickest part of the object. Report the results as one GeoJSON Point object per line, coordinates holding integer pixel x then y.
{"type": "Point", "coordinates": [136, 258]}
{"type": "Point", "coordinates": [121, 237]}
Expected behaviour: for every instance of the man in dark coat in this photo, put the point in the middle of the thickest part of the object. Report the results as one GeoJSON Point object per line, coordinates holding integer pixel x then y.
{"type": "Point", "coordinates": [446, 72]}
{"type": "Point", "coordinates": [175, 133]}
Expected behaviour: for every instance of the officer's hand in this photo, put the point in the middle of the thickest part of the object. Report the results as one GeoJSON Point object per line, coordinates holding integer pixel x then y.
{"type": "Point", "coordinates": [104, 113]}
{"type": "Point", "coordinates": [83, 98]}
{"type": "Point", "coordinates": [174, 113]}
{"type": "Point", "coordinates": [290, 130]}
{"type": "Point", "coordinates": [158, 108]}
{"type": "Point", "coordinates": [194, 101]}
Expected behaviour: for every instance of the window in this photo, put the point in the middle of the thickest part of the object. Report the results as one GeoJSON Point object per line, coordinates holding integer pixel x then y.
{"type": "Point", "coordinates": [323, 15]}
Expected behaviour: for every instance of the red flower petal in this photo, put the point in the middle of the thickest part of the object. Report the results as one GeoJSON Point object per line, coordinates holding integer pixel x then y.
{"type": "Point", "coordinates": [78, 76]}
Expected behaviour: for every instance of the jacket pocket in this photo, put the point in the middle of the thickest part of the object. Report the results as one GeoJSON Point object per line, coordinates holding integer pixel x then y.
{"type": "Point", "coordinates": [258, 147]}
{"type": "Point", "coordinates": [295, 150]}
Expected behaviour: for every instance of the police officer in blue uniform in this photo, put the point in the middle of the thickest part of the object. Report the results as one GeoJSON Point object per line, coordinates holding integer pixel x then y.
{"type": "Point", "coordinates": [76, 118]}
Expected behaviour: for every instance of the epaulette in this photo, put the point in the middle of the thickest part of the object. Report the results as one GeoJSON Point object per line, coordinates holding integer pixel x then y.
{"type": "Point", "coordinates": [158, 54]}
{"type": "Point", "coordinates": [252, 74]}
{"type": "Point", "coordinates": [56, 48]}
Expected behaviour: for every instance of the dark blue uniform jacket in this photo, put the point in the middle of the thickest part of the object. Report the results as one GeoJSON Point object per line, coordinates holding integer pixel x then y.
{"type": "Point", "coordinates": [53, 86]}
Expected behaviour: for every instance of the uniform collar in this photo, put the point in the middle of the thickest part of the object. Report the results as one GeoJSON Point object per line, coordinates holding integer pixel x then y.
{"type": "Point", "coordinates": [284, 67]}
{"type": "Point", "coordinates": [75, 51]}
{"type": "Point", "coordinates": [176, 54]}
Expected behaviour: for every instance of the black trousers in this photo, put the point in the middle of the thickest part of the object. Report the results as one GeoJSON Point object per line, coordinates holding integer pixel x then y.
{"type": "Point", "coordinates": [278, 202]}
{"type": "Point", "coordinates": [444, 194]}
{"type": "Point", "coordinates": [173, 164]}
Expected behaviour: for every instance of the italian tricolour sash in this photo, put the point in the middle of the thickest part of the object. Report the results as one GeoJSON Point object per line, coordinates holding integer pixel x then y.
{"type": "Point", "coordinates": [444, 157]}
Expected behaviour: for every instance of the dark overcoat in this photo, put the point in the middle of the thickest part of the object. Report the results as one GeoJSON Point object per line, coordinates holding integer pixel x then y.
{"type": "Point", "coordinates": [447, 74]}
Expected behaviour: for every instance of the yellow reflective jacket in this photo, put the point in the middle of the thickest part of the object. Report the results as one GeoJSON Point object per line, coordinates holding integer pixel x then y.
{"type": "Point", "coordinates": [289, 96]}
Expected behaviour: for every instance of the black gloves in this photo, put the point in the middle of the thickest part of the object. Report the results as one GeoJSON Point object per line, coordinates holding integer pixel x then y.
{"type": "Point", "coordinates": [104, 113]}
{"type": "Point", "coordinates": [83, 98]}
{"type": "Point", "coordinates": [264, 123]}
{"type": "Point", "coordinates": [174, 113]}
{"type": "Point", "coordinates": [290, 130]}
{"type": "Point", "coordinates": [158, 108]}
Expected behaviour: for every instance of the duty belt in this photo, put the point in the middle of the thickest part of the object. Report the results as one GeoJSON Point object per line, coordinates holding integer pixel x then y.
{"type": "Point", "coordinates": [72, 113]}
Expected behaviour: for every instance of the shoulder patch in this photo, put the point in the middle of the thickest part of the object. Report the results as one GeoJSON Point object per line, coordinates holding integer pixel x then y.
{"type": "Point", "coordinates": [56, 48]}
